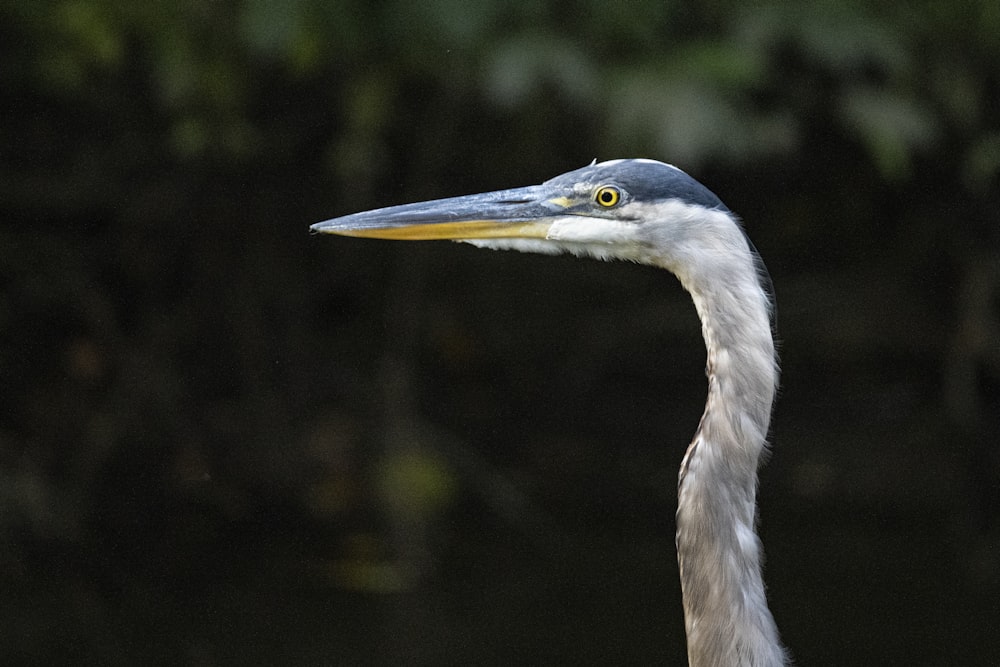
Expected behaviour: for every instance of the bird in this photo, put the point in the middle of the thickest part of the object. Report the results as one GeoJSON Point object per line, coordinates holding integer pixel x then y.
{"type": "Point", "coordinates": [651, 212]}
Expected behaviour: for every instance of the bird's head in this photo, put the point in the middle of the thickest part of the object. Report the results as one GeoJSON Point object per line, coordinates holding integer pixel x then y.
{"type": "Point", "coordinates": [625, 209]}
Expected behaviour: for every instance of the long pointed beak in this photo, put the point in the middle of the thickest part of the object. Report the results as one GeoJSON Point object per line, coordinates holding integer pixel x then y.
{"type": "Point", "coordinates": [518, 213]}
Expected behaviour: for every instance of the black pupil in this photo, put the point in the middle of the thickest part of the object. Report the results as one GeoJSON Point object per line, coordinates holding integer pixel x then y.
{"type": "Point", "coordinates": [607, 196]}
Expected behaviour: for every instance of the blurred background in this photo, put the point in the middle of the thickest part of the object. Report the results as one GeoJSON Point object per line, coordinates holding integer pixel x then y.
{"type": "Point", "coordinates": [224, 441]}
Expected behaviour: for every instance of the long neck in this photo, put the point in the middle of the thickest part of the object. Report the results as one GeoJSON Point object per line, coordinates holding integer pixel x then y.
{"type": "Point", "coordinates": [725, 609]}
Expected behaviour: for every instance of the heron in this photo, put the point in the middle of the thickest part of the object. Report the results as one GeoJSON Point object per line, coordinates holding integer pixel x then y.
{"type": "Point", "coordinates": [654, 213]}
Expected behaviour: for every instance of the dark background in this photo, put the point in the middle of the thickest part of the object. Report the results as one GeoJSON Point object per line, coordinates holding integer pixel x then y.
{"type": "Point", "coordinates": [224, 441]}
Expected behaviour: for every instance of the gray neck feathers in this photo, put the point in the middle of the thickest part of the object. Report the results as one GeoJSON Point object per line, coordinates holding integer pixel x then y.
{"type": "Point", "coordinates": [726, 615]}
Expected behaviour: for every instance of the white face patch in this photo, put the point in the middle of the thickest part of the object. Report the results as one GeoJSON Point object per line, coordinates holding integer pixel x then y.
{"type": "Point", "coordinates": [536, 246]}
{"type": "Point", "coordinates": [584, 229]}
{"type": "Point", "coordinates": [600, 238]}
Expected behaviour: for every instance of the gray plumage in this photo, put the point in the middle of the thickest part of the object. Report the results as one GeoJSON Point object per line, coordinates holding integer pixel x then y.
{"type": "Point", "coordinates": [653, 213]}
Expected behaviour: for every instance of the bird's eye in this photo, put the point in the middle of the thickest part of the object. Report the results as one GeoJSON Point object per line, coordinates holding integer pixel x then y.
{"type": "Point", "coordinates": [608, 196]}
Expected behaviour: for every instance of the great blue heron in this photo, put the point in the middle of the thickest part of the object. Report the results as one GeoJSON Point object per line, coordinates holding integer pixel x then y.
{"type": "Point", "coordinates": [653, 213]}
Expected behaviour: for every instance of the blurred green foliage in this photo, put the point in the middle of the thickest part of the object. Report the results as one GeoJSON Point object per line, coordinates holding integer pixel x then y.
{"type": "Point", "coordinates": [713, 82]}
